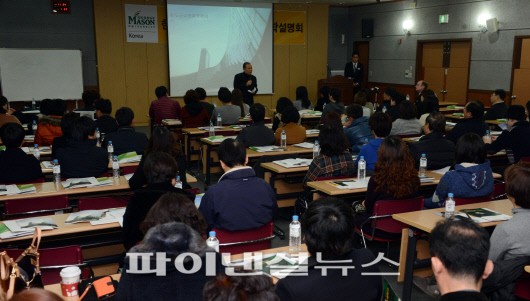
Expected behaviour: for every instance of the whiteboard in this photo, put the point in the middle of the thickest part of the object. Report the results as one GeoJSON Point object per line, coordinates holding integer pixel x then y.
{"type": "Point", "coordinates": [27, 74]}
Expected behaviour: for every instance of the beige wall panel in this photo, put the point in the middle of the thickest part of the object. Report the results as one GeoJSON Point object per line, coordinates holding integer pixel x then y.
{"type": "Point", "coordinates": [137, 81]}
{"type": "Point", "coordinates": [317, 50]}
{"type": "Point", "coordinates": [298, 66]}
{"type": "Point", "coordinates": [460, 53]}
{"type": "Point", "coordinates": [282, 72]}
{"type": "Point", "coordinates": [432, 55]}
{"type": "Point", "coordinates": [525, 54]}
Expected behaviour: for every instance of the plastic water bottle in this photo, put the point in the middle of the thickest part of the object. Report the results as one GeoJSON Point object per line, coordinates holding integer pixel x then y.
{"type": "Point", "coordinates": [36, 151]}
{"type": "Point", "coordinates": [110, 150]}
{"type": "Point", "coordinates": [423, 165]}
{"type": "Point", "coordinates": [212, 241]}
{"type": "Point", "coordinates": [56, 171]}
{"type": "Point", "coordinates": [316, 149]}
{"type": "Point", "coordinates": [212, 129]}
{"type": "Point", "coordinates": [283, 141]}
{"type": "Point", "coordinates": [384, 109]}
{"type": "Point", "coordinates": [115, 167]}
{"type": "Point", "coordinates": [34, 126]}
{"type": "Point", "coordinates": [449, 205]}
{"type": "Point", "coordinates": [98, 137]}
{"type": "Point", "coordinates": [407, 98]}
{"type": "Point", "coordinates": [487, 137]}
{"type": "Point", "coordinates": [219, 120]}
{"type": "Point", "coordinates": [178, 184]}
{"type": "Point", "coordinates": [361, 169]}
{"type": "Point", "coordinates": [33, 104]}
{"type": "Point", "coordinates": [295, 235]}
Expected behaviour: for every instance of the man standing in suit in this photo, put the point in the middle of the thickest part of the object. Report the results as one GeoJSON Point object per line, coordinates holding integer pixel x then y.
{"type": "Point", "coordinates": [354, 70]}
{"type": "Point", "coordinates": [247, 83]}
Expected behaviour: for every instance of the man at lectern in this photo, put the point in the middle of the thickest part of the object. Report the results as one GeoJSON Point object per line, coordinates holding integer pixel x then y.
{"type": "Point", "coordinates": [247, 83]}
{"type": "Point", "coordinates": [354, 70]}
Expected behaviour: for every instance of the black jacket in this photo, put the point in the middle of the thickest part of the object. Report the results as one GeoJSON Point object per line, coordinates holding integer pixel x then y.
{"type": "Point", "coordinates": [497, 111]}
{"type": "Point", "coordinates": [240, 82]}
{"type": "Point", "coordinates": [82, 159]}
{"type": "Point", "coordinates": [18, 167]}
{"type": "Point", "coordinates": [355, 74]}
{"type": "Point", "coordinates": [106, 124]}
{"type": "Point", "coordinates": [464, 296]}
{"type": "Point", "coordinates": [518, 140]}
{"type": "Point", "coordinates": [126, 139]}
{"type": "Point", "coordinates": [468, 125]}
{"type": "Point", "coordinates": [256, 134]}
{"type": "Point", "coordinates": [440, 151]}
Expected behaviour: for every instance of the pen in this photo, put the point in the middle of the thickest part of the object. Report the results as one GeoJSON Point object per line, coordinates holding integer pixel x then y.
{"type": "Point", "coordinates": [85, 292]}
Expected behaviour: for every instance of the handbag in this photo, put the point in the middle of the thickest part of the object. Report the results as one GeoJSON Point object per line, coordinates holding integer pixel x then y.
{"type": "Point", "coordinates": [24, 272]}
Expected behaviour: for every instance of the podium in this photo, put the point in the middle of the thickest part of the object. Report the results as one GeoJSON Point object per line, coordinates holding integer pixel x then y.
{"type": "Point", "coordinates": [345, 85]}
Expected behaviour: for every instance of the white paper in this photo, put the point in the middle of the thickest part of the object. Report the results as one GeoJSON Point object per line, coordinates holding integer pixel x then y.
{"type": "Point", "coordinates": [85, 216]}
{"type": "Point", "coordinates": [47, 164]}
{"type": "Point", "coordinates": [350, 184]}
{"type": "Point", "coordinates": [128, 176]}
{"type": "Point", "coordinates": [136, 158]}
{"type": "Point", "coordinates": [305, 145]}
{"type": "Point", "coordinates": [207, 128]}
{"type": "Point", "coordinates": [309, 132]}
{"type": "Point", "coordinates": [442, 171]}
{"type": "Point", "coordinates": [86, 182]}
{"type": "Point", "coordinates": [263, 149]}
{"type": "Point", "coordinates": [291, 163]}
{"type": "Point", "coordinates": [22, 225]}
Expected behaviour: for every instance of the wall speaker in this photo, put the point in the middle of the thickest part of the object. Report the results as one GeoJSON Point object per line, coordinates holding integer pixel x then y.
{"type": "Point", "coordinates": [367, 28]}
{"type": "Point", "coordinates": [492, 25]}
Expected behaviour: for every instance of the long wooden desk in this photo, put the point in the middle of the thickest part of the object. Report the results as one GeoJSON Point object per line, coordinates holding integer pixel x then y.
{"type": "Point", "coordinates": [425, 220]}
{"type": "Point", "coordinates": [286, 193]}
{"type": "Point", "coordinates": [56, 288]}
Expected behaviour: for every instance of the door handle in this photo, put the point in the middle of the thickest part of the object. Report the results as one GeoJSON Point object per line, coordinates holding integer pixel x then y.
{"type": "Point", "coordinates": [513, 97]}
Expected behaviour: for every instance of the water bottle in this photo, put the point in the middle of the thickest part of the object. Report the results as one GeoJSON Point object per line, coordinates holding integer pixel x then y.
{"type": "Point", "coordinates": [407, 98]}
{"type": "Point", "coordinates": [295, 235]}
{"type": "Point", "coordinates": [212, 241]}
{"type": "Point", "coordinates": [56, 171]}
{"type": "Point", "coordinates": [361, 169]}
{"type": "Point", "coordinates": [423, 165]}
{"type": "Point", "coordinates": [110, 150]}
{"type": "Point", "coordinates": [36, 151]}
{"type": "Point", "coordinates": [449, 205]}
{"type": "Point", "coordinates": [33, 104]}
{"type": "Point", "coordinates": [178, 184]}
{"type": "Point", "coordinates": [375, 106]}
{"type": "Point", "coordinates": [316, 149]}
{"type": "Point", "coordinates": [384, 109]}
{"type": "Point", "coordinates": [283, 142]}
{"type": "Point", "coordinates": [34, 126]}
{"type": "Point", "coordinates": [219, 120]}
{"type": "Point", "coordinates": [212, 129]}
{"type": "Point", "coordinates": [98, 137]}
{"type": "Point", "coordinates": [115, 167]}
{"type": "Point", "coordinates": [487, 137]}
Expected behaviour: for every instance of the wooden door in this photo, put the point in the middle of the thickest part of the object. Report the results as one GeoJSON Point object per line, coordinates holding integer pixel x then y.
{"type": "Point", "coordinates": [521, 71]}
{"type": "Point", "coordinates": [432, 67]}
{"type": "Point", "coordinates": [458, 72]}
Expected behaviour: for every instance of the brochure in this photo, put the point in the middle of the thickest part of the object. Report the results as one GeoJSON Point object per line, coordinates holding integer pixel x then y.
{"type": "Point", "coordinates": [85, 216]}
{"type": "Point", "coordinates": [17, 189]}
{"type": "Point", "coordinates": [350, 184]}
{"type": "Point", "coordinates": [292, 163]}
{"type": "Point", "coordinates": [86, 182]}
{"type": "Point", "coordinates": [129, 157]}
{"type": "Point", "coordinates": [29, 224]}
{"type": "Point", "coordinates": [263, 149]}
{"type": "Point", "coordinates": [305, 145]}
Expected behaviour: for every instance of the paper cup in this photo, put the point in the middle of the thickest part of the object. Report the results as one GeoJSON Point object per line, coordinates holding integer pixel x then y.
{"type": "Point", "coordinates": [70, 281]}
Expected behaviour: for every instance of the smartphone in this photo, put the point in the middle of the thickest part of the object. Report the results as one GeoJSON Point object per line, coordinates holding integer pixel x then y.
{"type": "Point", "coordinates": [104, 287]}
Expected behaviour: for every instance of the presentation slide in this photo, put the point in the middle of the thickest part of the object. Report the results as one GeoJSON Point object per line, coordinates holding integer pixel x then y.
{"type": "Point", "coordinates": [210, 41]}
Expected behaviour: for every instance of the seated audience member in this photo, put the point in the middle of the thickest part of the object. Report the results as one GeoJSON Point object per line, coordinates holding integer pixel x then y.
{"type": "Point", "coordinates": [126, 139]}
{"type": "Point", "coordinates": [66, 128]}
{"type": "Point", "coordinates": [473, 122]}
{"type": "Point", "coordinates": [160, 170]}
{"type": "Point", "coordinates": [356, 127]}
{"type": "Point", "coordinates": [193, 113]}
{"type": "Point", "coordinates": [511, 239]}
{"type": "Point", "coordinates": [472, 176]}
{"type": "Point", "coordinates": [5, 113]}
{"type": "Point", "coordinates": [516, 137]}
{"type": "Point", "coordinates": [204, 103]}
{"type": "Point", "coordinates": [361, 98]}
{"type": "Point", "coordinates": [459, 259]}
{"type": "Point", "coordinates": [380, 125]}
{"type": "Point", "coordinates": [302, 101]}
{"type": "Point", "coordinates": [428, 102]}
{"type": "Point", "coordinates": [104, 122]}
{"type": "Point", "coordinates": [17, 166]}
{"type": "Point", "coordinates": [257, 133]}
{"type": "Point", "coordinates": [498, 107]}
{"type": "Point", "coordinates": [406, 124]}
{"type": "Point", "coordinates": [391, 101]}
{"type": "Point", "coordinates": [49, 126]}
{"type": "Point", "coordinates": [295, 133]}
{"type": "Point", "coordinates": [81, 157]}
{"type": "Point", "coordinates": [240, 288]}
{"type": "Point", "coordinates": [163, 107]}
{"type": "Point", "coordinates": [230, 114]}
{"type": "Point", "coordinates": [440, 151]}
{"type": "Point", "coordinates": [334, 158]}
{"type": "Point", "coordinates": [395, 177]}
{"type": "Point", "coordinates": [281, 104]}
{"type": "Point", "coordinates": [162, 140]}
{"type": "Point", "coordinates": [335, 104]}
{"type": "Point", "coordinates": [323, 100]}
{"type": "Point", "coordinates": [239, 100]}
{"type": "Point", "coordinates": [240, 200]}
{"type": "Point", "coordinates": [176, 241]}
{"type": "Point", "coordinates": [328, 229]}
{"type": "Point", "coordinates": [89, 98]}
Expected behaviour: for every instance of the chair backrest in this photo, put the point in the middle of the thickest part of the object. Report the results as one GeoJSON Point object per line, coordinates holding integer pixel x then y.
{"type": "Point", "coordinates": [389, 207]}
{"type": "Point", "coordinates": [35, 206]}
{"type": "Point", "coordinates": [129, 169]}
{"type": "Point", "coordinates": [101, 203]}
{"type": "Point", "coordinates": [466, 201]}
{"type": "Point", "coordinates": [236, 242]}
{"type": "Point", "coordinates": [525, 159]}
{"type": "Point", "coordinates": [38, 180]}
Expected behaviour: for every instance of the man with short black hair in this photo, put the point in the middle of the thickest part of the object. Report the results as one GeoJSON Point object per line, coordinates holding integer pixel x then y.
{"type": "Point", "coordinates": [257, 134]}
{"type": "Point", "coordinates": [473, 122]}
{"type": "Point", "coordinates": [240, 200]}
{"type": "Point", "coordinates": [126, 139]}
{"type": "Point", "coordinates": [163, 107]}
{"type": "Point", "coordinates": [354, 70]}
{"type": "Point", "coordinates": [516, 137]}
{"type": "Point", "coordinates": [204, 103]}
{"type": "Point", "coordinates": [498, 107]}
{"type": "Point", "coordinates": [17, 166]}
{"type": "Point", "coordinates": [356, 128]}
{"type": "Point", "coordinates": [439, 150]}
{"type": "Point", "coordinates": [104, 122]}
{"type": "Point", "coordinates": [459, 250]}
{"type": "Point", "coordinates": [230, 113]}
{"type": "Point", "coordinates": [247, 83]}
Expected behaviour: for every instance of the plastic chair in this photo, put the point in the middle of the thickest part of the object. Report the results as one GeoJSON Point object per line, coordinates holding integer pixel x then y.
{"type": "Point", "coordinates": [236, 242]}
{"type": "Point", "coordinates": [52, 260]}
{"type": "Point", "coordinates": [381, 226]}
{"type": "Point", "coordinates": [101, 203]}
{"type": "Point", "coordinates": [34, 181]}
{"type": "Point", "coordinates": [466, 201]}
{"type": "Point", "coordinates": [129, 169]}
{"type": "Point", "coordinates": [522, 287]}
{"type": "Point", "coordinates": [36, 206]}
